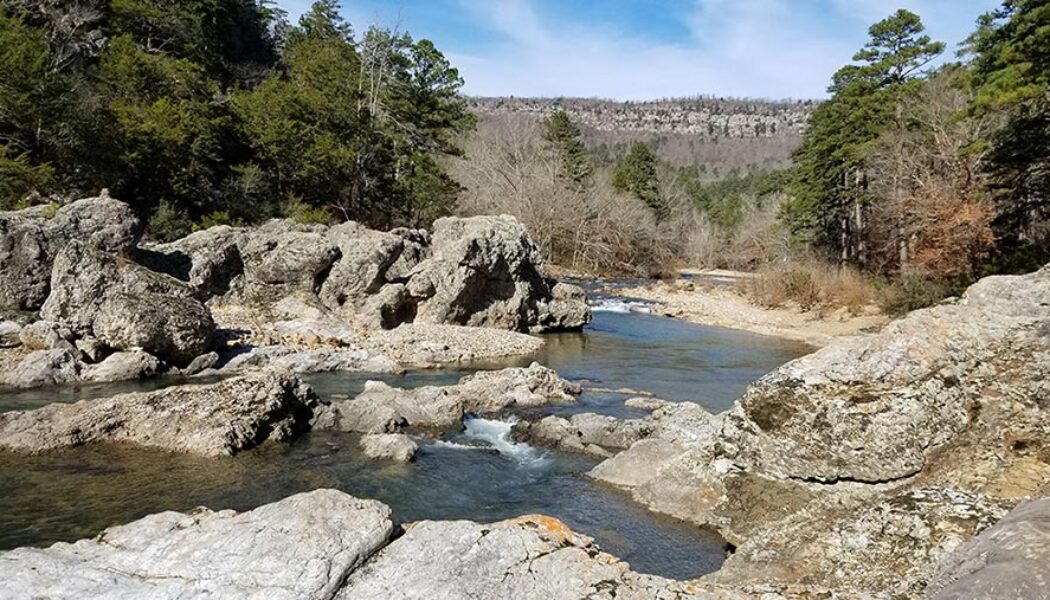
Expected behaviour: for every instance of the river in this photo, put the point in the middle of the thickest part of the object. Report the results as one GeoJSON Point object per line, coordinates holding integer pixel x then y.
{"type": "Point", "coordinates": [479, 474]}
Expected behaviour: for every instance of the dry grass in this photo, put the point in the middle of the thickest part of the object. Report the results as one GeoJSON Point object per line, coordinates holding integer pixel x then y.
{"type": "Point", "coordinates": [811, 284]}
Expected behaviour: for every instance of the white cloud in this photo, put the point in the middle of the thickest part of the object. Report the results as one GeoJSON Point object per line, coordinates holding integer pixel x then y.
{"type": "Point", "coordinates": [754, 48]}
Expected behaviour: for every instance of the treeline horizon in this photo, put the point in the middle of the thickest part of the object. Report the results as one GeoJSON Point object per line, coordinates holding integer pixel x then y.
{"type": "Point", "coordinates": [904, 169]}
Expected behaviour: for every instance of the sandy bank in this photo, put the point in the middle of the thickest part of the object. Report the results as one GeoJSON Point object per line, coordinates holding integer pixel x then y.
{"type": "Point", "coordinates": [713, 300]}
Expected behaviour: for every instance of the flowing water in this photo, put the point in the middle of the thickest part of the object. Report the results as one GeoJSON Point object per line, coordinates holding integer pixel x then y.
{"type": "Point", "coordinates": [479, 474]}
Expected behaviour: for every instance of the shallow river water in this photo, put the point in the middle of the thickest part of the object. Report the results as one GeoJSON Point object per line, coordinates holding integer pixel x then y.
{"type": "Point", "coordinates": [77, 492]}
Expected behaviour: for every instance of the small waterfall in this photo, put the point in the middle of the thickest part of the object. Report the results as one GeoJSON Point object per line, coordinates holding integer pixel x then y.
{"type": "Point", "coordinates": [620, 306]}
{"type": "Point", "coordinates": [497, 434]}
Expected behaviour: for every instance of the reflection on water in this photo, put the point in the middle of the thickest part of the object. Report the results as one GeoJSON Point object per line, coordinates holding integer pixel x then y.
{"type": "Point", "coordinates": [75, 493]}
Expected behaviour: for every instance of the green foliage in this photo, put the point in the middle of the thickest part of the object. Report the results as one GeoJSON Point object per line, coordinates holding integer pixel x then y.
{"type": "Point", "coordinates": [19, 178]}
{"type": "Point", "coordinates": [294, 208]}
{"type": "Point", "coordinates": [914, 291]}
{"type": "Point", "coordinates": [726, 201]}
{"type": "Point", "coordinates": [169, 223]}
{"type": "Point", "coordinates": [564, 138]}
{"type": "Point", "coordinates": [354, 133]}
{"type": "Point", "coordinates": [831, 178]}
{"type": "Point", "coordinates": [213, 110]}
{"type": "Point", "coordinates": [1011, 73]}
{"type": "Point", "coordinates": [636, 174]}
{"type": "Point", "coordinates": [219, 217]}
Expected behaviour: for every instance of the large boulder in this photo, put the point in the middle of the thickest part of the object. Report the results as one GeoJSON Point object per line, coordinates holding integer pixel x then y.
{"type": "Point", "coordinates": [361, 271]}
{"type": "Point", "coordinates": [127, 306]}
{"type": "Point", "coordinates": [282, 258]}
{"type": "Point", "coordinates": [484, 271]}
{"type": "Point", "coordinates": [173, 328]}
{"type": "Point", "coordinates": [209, 260]}
{"type": "Point", "coordinates": [30, 239]}
{"type": "Point", "coordinates": [301, 548]}
{"type": "Point", "coordinates": [220, 419]}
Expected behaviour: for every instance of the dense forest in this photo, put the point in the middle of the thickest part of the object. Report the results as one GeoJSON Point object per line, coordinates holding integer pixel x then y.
{"type": "Point", "coordinates": [221, 111]}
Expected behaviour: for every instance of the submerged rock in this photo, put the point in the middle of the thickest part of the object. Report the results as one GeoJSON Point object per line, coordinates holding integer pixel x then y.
{"type": "Point", "coordinates": [220, 419]}
{"type": "Point", "coordinates": [585, 432]}
{"type": "Point", "coordinates": [301, 548]}
{"type": "Point", "coordinates": [397, 447]}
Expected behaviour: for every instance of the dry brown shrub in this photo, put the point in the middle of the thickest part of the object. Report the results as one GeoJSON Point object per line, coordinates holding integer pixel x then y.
{"type": "Point", "coordinates": [810, 284]}
{"type": "Point", "coordinates": [587, 228]}
{"type": "Point", "coordinates": [936, 216]}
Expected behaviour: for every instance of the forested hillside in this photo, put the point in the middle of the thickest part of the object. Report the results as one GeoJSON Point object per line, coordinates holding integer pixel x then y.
{"type": "Point", "coordinates": [220, 111]}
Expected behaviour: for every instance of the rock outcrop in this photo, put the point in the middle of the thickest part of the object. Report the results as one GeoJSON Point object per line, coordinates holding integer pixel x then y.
{"type": "Point", "coordinates": [30, 239]}
{"type": "Point", "coordinates": [860, 466]}
{"type": "Point", "coordinates": [381, 408]}
{"type": "Point", "coordinates": [484, 271]}
{"type": "Point", "coordinates": [301, 548]}
{"type": "Point", "coordinates": [97, 293]}
{"type": "Point", "coordinates": [219, 419]}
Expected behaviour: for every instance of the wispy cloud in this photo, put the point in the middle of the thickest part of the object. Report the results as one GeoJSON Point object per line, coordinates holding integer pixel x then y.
{"type": "Point", "coordinates": [756, 48]}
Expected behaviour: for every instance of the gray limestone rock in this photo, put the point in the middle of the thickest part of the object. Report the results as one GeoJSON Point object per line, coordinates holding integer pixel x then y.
{"type": "Point", "coordinates": [396, 447]}
{"type": "Point", "coordinates": [122, 366]}
{"type": "Point", "coordinates": [1011, 559]}
{"type": "Point", "coordinates": [301, 548]}
{"type": "Point", "coordinates": [219, 419]}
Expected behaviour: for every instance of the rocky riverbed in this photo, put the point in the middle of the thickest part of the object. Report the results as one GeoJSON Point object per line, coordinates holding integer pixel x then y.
{"type": "Point", "coordinates": [905, 463]}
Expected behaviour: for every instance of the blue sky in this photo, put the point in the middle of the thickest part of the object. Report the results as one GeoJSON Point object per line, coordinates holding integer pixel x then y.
{"type": "Point", "coordinates": [645, 49]}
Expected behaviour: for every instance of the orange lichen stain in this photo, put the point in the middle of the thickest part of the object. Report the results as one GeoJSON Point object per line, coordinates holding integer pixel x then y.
{"type": "Point", "coordinates": [556, 529]}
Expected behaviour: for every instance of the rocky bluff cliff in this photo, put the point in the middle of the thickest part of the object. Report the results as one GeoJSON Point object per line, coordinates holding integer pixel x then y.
{"type": "Point", "coordinates": [721, 133]}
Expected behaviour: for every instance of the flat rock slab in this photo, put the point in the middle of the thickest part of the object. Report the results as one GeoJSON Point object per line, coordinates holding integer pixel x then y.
{"type": "Point", "coordinates": [531, 557]}
{"type": "Point", "coordinates": [300, 548]}
{"type": "Point", "coordinates": [219, 419]}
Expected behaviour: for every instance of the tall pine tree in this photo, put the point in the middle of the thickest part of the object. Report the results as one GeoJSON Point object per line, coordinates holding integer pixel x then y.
{"type": "Point", "coordinates": [831, 191]}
